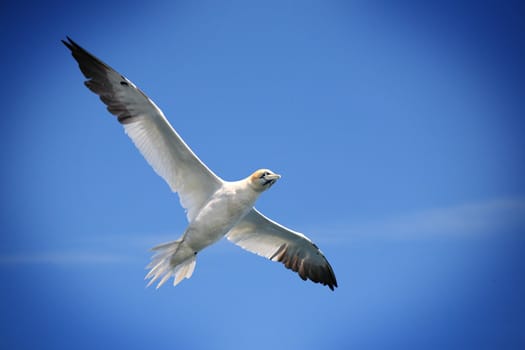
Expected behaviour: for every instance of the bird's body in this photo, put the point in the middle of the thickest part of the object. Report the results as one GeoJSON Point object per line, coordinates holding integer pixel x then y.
{"type": "Point", "coordinates": [215, 208]}
{"type": "Point", "coordinates": [220, 214]}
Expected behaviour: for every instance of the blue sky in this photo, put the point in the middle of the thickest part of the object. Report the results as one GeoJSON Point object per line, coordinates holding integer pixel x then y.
{"type": "Point", "coordinates": [397, 127]}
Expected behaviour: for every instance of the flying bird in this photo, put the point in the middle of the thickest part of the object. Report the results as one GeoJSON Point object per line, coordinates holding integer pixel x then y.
{"type": "Point", "coordinates": [214, 207]}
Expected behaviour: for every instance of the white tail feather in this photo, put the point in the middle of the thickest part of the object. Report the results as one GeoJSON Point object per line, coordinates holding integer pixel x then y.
{"type": "Point", "coordinates": [171, 259]}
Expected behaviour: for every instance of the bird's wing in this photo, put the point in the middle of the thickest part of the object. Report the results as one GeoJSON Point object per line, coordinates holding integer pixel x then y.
{"type": "Point", "coordinates": [260, 235]}
{"type": "Point", "coordinates": [150, 131]}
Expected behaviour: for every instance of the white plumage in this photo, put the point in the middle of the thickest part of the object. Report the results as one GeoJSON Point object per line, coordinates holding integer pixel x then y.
{"type": "Point", "coordinates": [215, 208]}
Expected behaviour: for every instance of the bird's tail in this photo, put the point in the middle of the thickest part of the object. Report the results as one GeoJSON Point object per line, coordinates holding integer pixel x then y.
{"type": "Point", "coordinates": [171, 259]}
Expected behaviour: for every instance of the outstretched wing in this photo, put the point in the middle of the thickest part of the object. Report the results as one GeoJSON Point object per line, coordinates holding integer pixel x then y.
{"type": "Point", "coordinates": [260, 235]}
{"type": "Point", "coordinates": [150, 131]}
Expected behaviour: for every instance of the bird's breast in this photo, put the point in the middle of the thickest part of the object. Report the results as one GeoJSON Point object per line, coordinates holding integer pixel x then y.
{"type": "Point", "coordinates": [226, 207]}
{"type": "Point", "coordinates": [223, 211]}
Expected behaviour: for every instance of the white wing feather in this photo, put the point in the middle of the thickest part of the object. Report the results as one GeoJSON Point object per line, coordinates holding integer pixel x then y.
{"type": "Point", "coordinates": [150, 131]}
{"type": "Point", "coordinates": [260, 235]}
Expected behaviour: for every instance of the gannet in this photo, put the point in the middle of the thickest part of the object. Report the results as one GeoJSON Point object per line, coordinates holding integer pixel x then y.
{"type": "Point", "coordinates": [214, 207]}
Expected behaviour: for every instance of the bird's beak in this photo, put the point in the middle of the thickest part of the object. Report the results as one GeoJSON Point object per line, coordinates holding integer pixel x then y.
{"type": "Point", "coordinates": [272, 177]}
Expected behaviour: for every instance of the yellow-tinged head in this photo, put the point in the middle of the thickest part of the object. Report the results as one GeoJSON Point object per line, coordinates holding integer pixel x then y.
{"type": "Point", "coordinates": [263, 179]}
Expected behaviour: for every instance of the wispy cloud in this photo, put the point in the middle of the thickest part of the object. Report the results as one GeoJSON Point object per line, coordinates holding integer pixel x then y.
{"type": "Point", "coordinates": [476, 218]}
{"type": "Point", "coordinates": [119, 249]}
{"type": "Point", "coordinates": [61, 258]}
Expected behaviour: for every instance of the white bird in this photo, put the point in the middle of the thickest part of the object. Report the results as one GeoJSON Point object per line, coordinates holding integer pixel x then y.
{"type": "Point", "coordinates": [215, 208]}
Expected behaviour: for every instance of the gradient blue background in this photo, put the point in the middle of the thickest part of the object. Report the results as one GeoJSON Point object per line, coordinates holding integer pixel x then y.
{"type": "Point", "coordinates": [398, 128]}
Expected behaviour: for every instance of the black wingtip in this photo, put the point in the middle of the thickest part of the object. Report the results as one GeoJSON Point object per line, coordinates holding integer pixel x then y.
{"type": "Point", "coordinates": [69, 43]}
{"type": "Point", "coordinates": [333, 281]}
{"type": "Point", "coordinates": [332, 285]}
{"type": "Point", "coordinates": [72, 45]}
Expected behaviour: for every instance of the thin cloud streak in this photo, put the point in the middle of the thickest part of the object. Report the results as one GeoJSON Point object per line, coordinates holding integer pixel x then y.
{"type": "Point", "coordinates": [62, 258]}
{"type": "Point", "coordinates": [486, 217]}
{"type": "Point", "coordinates": [127, 248]}
{"type": "Point", "coordinates": [496, 216]}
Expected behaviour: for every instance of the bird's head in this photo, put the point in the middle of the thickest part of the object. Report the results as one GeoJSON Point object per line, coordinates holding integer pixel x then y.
{"type": "Point", "coordinates": [263, 179]}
